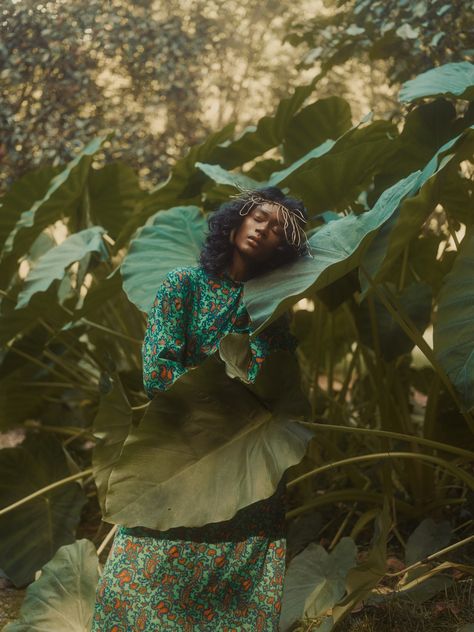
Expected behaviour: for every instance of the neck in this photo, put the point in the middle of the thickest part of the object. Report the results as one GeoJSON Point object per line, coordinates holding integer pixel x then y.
{"type": "Point", "coordinates": [240, 269]}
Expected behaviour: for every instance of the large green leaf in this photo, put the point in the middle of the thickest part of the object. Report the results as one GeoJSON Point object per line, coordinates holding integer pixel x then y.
{"type": "Point", "coordinates": [52, 264]}
{"type": "Point", "coordinates": [361, 579]}
{"type": "Point", "coordinates": [43, 305]}
{"type": "Point", "coordinates": [415, 301]}
{"type": "Point", "coordinates": [31, 534]}
{"type": "Point", "coordinates": [114, 193]}
{"type": "Point", "coordinates": [454, 80]}
{"type": "Point", "coordinates": [182, 464]}
{"type": "Point", "coordinates": [315, 123]}
{"type": "Point", "coordinates": [334, 178]}
{"type": "Point", "coordinates": [170, 239]}
{"type": "Point", "coordinates": [111, 427]}
{"type": "Point", "coordinates": [222, 176]}
{"type": "Point", "coordinates": [426, 127]}
{"type": "Point", "coordinates": [330, 174]}
{"type": "Point", "coordinates": [183, 186]}
{"type": "Point", "coordinates": [453, 331]}
{"type": "Point", "coordinates": [184, 181]}
{"type": "Point", "coordinates": [337, 248]}
{"type": "Point", "coordinates": [62, 598]}
{"type": "Point", "coordinates": [23, 194]}
{"type": "Point", "coordinates": [316, 143]}
{"type": "Point", "coordinates": [269, 131]}
{"type": "Point", "coordinates": [64, 192]}
{"type": "Point", "coordinates": [315, 582]}
{"type": "Point", "coordinates": [428, 537]}
{"type": "Point", "coordinates": [405, 224]}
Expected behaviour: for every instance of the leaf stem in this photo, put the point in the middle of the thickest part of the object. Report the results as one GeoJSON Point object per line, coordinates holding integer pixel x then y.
{"type": "Point", "coordinates": [447, 549]}
{"type": "Point", "coordinates": [394, 435]}
{"type": "Point", "coordinates": [457, 472]}
{"type": "Point", "coordinates": [44, 490]}
{"type": "Point", "coordinates": [412, 332]}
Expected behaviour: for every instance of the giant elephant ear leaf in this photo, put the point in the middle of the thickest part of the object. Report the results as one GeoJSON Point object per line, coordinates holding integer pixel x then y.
{"type": "Point", "coordinates": [61, 198]}
{"type": "Point", "coordinates": [269, 131]}
{"type": "Point", "coordinates": [314, 583]}
{"type": "Point", "coordinates": [114, 194]}
{"type": "Point", "coordinates": [325, 118]}
{"type": "Point", "coordinates": [453, 330]}
{"type": "Point", "coordinates": [182, 465]}
{"type": "Point", "coordinates": [170, 239]}
{"type": "Point", "coordinates": [53, 264]}
{"type": "Point", "coordinates": [22, 194]}
{"type": "Point", "coordinates": [415, 300]}
{"type": "Point", "coordinates": [62, 598]}
{"type": "Point", "coordinates": [454, 80]}
{"type": "Point", "coordinates": [404, 225]}
{"type": "Point", "coordinates": [31, 533]}
{"type": "Point", "coordinates": [336, 247]}
{"type": "Point", "coordinates": [111, 426]}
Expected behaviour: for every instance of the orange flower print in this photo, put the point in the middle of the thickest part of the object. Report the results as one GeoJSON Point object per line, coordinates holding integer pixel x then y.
{"type": "Point", "coordinates": [246, 584]}
{"type": "Point", "coordinates": [162, 607]}
{"type": "Point", "coordinates": [166, 373]}
{"type": "Point", "coordinates": [124, 576]}
{"type": "Point", "coordinates": [219, 561]}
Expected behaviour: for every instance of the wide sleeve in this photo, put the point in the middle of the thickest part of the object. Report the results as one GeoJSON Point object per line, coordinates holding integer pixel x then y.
{"type": "Point", "coordinates": [276, 336]}
{"type": "Point", "coordinates": [164, 343]}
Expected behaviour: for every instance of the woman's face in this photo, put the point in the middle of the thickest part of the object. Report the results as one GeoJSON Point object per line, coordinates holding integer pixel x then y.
{"type": "Point", "coordinates": [260, 234]}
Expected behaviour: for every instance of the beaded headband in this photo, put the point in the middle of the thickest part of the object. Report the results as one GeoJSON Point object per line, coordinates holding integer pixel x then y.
{"type": "Point", "coordinates": [289, 219]}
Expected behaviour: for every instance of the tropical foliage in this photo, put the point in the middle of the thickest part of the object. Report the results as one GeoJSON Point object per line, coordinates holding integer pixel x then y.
{"type": "Point", "coordinates": [160, 75]}
{"type": "Point", "coordinates": [390, 414]}
{"type": "Point", "coordinates": [411, 36]}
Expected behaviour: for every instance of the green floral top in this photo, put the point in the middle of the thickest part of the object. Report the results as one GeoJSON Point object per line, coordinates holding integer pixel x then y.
{"type": "Point", "coordinates": [191, 312]}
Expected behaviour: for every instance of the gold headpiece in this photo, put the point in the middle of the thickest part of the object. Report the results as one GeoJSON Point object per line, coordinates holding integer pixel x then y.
{"type": "Point", "coordinates": [290, 219]}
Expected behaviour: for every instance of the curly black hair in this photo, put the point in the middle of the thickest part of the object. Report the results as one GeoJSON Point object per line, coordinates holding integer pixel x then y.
{"type": "Point", "coordinates": [216, 253]}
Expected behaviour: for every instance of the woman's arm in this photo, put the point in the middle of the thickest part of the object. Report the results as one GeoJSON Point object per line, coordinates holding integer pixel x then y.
{"type": "Point", "coordinates": [276, 336]}
{"type": "Point", "coordinates": [164, 343]}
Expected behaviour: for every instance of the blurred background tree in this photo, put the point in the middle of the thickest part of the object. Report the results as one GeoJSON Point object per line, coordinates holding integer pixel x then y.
{"type": "Point", "coordinates": [161, 75]}
{"type": "Point", "coordinates": [411, 36]}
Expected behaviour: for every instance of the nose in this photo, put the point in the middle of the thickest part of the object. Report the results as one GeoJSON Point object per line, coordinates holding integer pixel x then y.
{"type": "Point", "coordinates": [261, 229]}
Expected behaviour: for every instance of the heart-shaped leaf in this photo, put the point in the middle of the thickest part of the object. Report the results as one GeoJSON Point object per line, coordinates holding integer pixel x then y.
{"type": "Point", "coordinates": [453, 331]}
{"type": "Point", "coordinates": [315, 582]}
{"type": "Point", "coordinates": [52, 264]}
{"type": "Point", "coordinates": [32, 533]}
{"type": "Point", "coordinates": [64, 191]}
{"type": "Point", "coordinates": [196, 435]}
{"type": "Point", "coordinates": [63, 596]}
{"type": "Point", "coordinates": [170, 239]}
{"type": "Point", "coordinates": [337, 248]}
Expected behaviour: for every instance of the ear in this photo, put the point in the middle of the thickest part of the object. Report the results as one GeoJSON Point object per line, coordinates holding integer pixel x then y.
{"type": "Point", "coordinates": [232, 235]}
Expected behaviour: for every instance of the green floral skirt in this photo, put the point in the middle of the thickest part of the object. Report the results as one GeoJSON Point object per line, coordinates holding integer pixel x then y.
{"type": "Point", "coordinates": [225, 576]}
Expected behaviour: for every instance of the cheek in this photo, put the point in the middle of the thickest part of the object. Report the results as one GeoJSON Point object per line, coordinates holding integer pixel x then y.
{"type": "Point", "coordinates": [244, 229]}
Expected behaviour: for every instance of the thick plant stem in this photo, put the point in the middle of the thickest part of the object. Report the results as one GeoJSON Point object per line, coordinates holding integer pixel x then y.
{"type": "Point", "coordinates": [107, 539]}
{"type": "Point", "coordinates": [44, 490]}
{"type": "Point", "coordinates": [412, 332]}
{"type": "Point", "coordinates": [455, 471]}
{"type": "Point", "coordinates": [437, 445]}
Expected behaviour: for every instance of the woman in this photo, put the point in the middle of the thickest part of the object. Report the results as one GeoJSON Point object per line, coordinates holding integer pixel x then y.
{"type": "Point", "coordinates": [225, 576]}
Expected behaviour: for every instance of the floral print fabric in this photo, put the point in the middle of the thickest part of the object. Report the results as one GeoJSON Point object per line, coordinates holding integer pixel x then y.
{"type": "Point", "coordinates": [225, 576]}
{"type": "Point", "coordinates": [191, 312]}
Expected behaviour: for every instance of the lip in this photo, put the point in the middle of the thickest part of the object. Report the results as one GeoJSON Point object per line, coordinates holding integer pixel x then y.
{"type": "Point", "coordinates": [253, 240]}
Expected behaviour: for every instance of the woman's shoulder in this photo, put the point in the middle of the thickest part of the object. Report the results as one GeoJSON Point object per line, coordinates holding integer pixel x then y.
{"type": "Point", "coordinates": [184, 275]}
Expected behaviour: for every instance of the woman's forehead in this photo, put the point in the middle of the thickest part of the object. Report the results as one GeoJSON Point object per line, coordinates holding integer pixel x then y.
{"type": "Point", "coordinates": [267, 208]}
